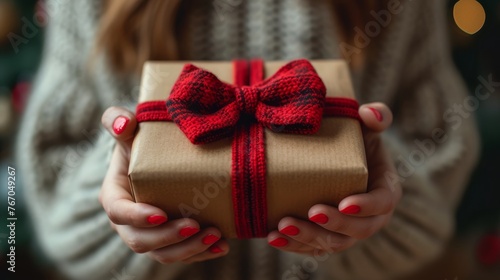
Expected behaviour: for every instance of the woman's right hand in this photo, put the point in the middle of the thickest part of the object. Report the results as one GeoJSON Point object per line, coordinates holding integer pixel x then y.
{"type": "Point", "coordinates": [144, 228]}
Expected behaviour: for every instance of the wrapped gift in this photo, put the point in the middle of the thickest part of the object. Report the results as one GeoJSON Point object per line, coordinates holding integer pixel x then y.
{"type": "Point", "coordinates": [240, 145]}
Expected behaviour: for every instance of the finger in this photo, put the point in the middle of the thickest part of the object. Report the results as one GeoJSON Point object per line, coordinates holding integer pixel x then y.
{"type": "Point", "coordinates": [307, 236]}
{"type": "Point", "coordinates": [121, 124]}
{"type": "Point", "coordinates": [118, 203]}
{"type": "Point", "coordinates": [288, 244]}
{"type": "Point", "coordinates": [380, 200]}
{"type": "Point", "coordinates": [188, 248]}
{"type": "Point", "coordinates": [142, 240]}
{"type": "Point", "coordinates": [126, 212]}
{"type": "Point", "coordinates": [331, 219]}
{"type": "Point", "coordinates": [219, 249]}
{"type": "Point", "coordinates": [376, 116]}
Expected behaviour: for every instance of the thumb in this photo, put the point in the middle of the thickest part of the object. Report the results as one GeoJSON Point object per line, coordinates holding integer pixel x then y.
{"type": "Point", "coordinates": [376, 116]}
{"type": "Point", "coordinates": [121, 124]}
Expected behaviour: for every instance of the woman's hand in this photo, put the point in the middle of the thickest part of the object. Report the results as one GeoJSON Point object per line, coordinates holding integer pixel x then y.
{"type": "Point", "coordinates": [144, 228]}
{"type": "Point", "coordinates": [358, 216]}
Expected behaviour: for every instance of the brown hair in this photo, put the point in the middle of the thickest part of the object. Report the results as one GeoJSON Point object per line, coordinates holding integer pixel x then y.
{"type": "Point", "coordinates": [134, 31]}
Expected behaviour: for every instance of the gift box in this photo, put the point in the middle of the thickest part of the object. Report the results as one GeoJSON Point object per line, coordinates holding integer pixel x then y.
{"type": "Point", "coordinates": [239, 145]}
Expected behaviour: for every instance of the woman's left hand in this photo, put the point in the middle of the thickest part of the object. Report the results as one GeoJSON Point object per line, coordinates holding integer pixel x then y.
{"type": "Point", "coordinates": [357, 217]}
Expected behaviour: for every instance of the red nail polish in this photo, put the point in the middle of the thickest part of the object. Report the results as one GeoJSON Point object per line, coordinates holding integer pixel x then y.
{"type": "Point", "coordinates": [319, 218]}
{"type": "Point", "coordinates": [156, 219]}
{"type": "Point", "coordinates": [377, 114]}
{"type": "Point", "coordinates": [120, 124]}
{"type": "Point", "coordinates": [351, 209]}
{"type": "Point", "coordinates": [215, 249]}
{"type": "Point", "coordinates": [290, 230]}
{"type": "Point", "coordinates": [210, 239]}
{"type": "Point", "coordinates": [279, 242]}
{"type": "Point", "coordinates": [188, 231]}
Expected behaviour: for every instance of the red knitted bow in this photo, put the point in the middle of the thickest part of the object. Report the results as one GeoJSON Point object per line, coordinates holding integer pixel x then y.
{"type": "Point", "coordinates": [206, 109]}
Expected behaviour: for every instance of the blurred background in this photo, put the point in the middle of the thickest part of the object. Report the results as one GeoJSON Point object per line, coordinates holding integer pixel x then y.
{"type": "Point", "coordinates": [475, 40]}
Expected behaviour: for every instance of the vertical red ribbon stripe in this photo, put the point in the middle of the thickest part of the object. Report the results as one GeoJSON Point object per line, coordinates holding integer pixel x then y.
{"type": "Point", "coordinates": [248, 168]}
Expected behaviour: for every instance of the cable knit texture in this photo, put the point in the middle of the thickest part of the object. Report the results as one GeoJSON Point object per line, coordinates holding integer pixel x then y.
{"type": "Point", "coordinates": [63, 153]}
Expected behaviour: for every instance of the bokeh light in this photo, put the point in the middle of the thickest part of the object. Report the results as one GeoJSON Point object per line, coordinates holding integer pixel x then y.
{"type": "Point", "coordinates": [469, 16]}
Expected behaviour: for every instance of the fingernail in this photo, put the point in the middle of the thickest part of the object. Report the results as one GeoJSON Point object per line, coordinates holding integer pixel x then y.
{"type": "Point", "coordinates": [377, 114]}
{"type": "Point", "coordinates": [215, 249]}
{"type": "Point", "coordinates": [351, 209]}
{"type": "Point", "coordinates": [120, 124]}
{"type": "Point", "coordinates": [279, 242]}
{"type": "Point", "coordinates": [188, 231]}
{"type": "Point", "coordinates": [156, 219]}
{"type": "Point", "coordinates": [319, 218]}
{"type": "Point", "coordinates": [290, 230]}
{"type": "Point", "coordinates": [210, 239]}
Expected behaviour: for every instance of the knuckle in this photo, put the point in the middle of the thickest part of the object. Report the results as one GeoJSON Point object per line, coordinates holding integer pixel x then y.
{"type": "Point", "coordinates": [322, 243]}
{"type": "Point", "coordinates": [338, 225]}
{"type": "Point", "coordinates": [308, 238]}
{"type": "Point", "coordinates": [186, 254]}
{"type": "Point", "coordinates": [192, 250]}
{"type": "Point", "coordinates": [171, 238]}
{"type": "Point", "coordinates": [112, 215]}
{"type": "Point", "coordinates": [135, 243]}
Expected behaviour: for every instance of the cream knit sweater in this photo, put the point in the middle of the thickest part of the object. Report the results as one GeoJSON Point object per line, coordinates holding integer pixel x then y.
{"type": "Point", "coordinates": [63, 154]}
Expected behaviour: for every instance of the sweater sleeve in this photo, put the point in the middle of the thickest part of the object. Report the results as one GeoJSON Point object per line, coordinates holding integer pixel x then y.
{"type": "Point", "coordinates": [434, 150]}
{"type": "Point", "coordinates": [63, 154]}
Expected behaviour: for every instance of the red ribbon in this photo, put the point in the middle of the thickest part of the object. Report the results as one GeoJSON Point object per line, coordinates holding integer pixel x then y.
{"type": "Point", "coordinates": [206, 109]}
{"type": "Point", "coordinates": [248, 169]}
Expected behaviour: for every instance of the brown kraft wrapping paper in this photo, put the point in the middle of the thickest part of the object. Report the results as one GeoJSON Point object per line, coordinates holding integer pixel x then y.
{"type": "Point", "coordinates": [185, 180]}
